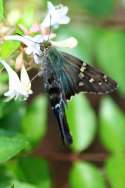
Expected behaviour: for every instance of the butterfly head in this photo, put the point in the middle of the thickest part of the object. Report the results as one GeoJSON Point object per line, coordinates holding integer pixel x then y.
{"type": "Point", "coordinates": [45, 46]}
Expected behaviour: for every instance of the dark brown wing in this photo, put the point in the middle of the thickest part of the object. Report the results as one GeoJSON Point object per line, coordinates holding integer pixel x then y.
{"type": "Point", "coordinates": [77, 76]}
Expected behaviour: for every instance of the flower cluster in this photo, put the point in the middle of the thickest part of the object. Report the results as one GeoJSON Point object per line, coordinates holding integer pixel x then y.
{"type": "Point", "coordinates": [56, 15]}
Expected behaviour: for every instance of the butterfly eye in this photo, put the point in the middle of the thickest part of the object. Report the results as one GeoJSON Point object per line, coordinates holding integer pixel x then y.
{"type": "Point", "coordinates": [49, 44]}
{"type": "Point", "coordinates": [42, 47]}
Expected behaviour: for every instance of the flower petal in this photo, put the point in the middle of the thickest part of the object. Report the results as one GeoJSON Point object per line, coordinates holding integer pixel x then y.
{"type": "Point", "coordinates": [25, 40]}
{"type": "Point", "coordinates": [16, 89]}
{"type": "Point", "coordinates": [25, 81]}
{"type": "Point", "coordinates": [13, 77]}
{"type": "Point", "coordinates": [56, 15]}
{"type": "Point", "coordinates": [68, 43]}
{"type": "Point", "coordinates": [51, 7]}
{"type": "Point", "coordinates": [65, 20]}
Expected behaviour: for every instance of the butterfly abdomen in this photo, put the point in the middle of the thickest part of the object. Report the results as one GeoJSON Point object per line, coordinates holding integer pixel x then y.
{"type": "Point", "coordinates": [59, 111]}
{"type": "Point", "coordinates": [54, 89]}
{"type": "Point", "coordinates": [57, 104]}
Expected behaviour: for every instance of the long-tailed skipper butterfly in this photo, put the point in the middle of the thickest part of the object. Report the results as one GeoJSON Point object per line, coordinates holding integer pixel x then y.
{"type": "Point", "coordinates": [65, 75]}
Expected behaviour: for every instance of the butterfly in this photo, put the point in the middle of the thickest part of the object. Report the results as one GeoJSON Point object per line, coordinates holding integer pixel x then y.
{"type": "Point", "coordinates": [64, 76]}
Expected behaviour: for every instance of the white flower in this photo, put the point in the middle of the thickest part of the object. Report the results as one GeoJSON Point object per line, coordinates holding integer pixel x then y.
{"type": "Point", "coordinates": [67, 43]}
{"type": "Point", "coordinates": [56, 15]}
{"type": "Point", "coordinates": [18, 88]}
{"type": "Point", "coordinates": [32, 43]}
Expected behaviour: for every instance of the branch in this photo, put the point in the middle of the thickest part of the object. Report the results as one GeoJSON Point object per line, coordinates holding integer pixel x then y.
{"type": "Point", "coordinates": [54, 156]}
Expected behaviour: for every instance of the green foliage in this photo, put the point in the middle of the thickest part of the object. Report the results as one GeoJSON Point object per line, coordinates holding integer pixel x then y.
{"type": "Point", "coordinates": [3, 80]}
{"type": "Point", "coordinates": [79, 113]}
{"type": "Point", "coordinates": [7, 48]}
{"type": "Point", "coordinates": [1, 10]}
{"type": "Point", "coordinates": [25, 172]}
{"type": "Point", "coordinates": [112, 126]}
{"type": "Point", "coordinates": [11, 144]}
{"type": "Point", "coordinates": [31, 170]}
{"type": "Point", "coordinates": [85, 175]}
{"type": "Point", "coordinates": [99, 7]}
{"type": "Point", "coordinates": [27, 17]}
{"type": "Point", "coordinates": [22, 185]}
{"type": "Point", "coordinates": [86, 36]}
{"type": "Point", "coordinates": [34, 121]}
{"type": "Point", "coordinates": [115, 168]}
{"type": "Point", "coordinates": [11, 114]}
{"type": "Point", "coordinates": [23, 125]}
{"type": "Point", "coordinates": [111, 56]}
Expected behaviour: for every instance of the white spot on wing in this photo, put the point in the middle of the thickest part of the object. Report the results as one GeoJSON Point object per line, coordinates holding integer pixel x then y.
{"type": "Point", "coordinates": [100, 83]}
{"type": "Point", "coordinates": [81, 83]}
{"type": "Point", "coordinates": [91, 80]}
{"type": "Point", "coordinates": [81, 75]}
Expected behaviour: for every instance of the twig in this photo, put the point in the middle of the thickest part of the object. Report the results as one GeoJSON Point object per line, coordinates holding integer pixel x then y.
{"type": "Point", "coordinates": [54, 156]}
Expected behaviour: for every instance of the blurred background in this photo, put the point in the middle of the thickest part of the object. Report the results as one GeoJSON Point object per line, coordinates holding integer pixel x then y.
{"type": "Point", "coordinates": [31, 151]}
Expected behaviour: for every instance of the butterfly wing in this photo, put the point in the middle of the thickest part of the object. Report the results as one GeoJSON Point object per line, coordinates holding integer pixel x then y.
{"type": "Point", "coordinates": [77, 76]}
{"type": "Point", "coordinates": [65, 75]}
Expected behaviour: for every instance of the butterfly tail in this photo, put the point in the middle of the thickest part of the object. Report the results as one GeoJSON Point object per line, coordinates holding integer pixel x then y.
{"type": "Point", "coordinates": [59, 111]}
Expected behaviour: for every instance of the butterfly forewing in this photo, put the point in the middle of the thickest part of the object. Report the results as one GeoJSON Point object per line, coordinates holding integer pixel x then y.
{"type": "Point", "coordinates": [82, 77]}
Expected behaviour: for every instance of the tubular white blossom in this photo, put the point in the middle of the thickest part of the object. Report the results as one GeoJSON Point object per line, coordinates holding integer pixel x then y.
{"type": "Point", "coordinates": [25, 81]}
{"type": "Point", "coordinates": [32, 43]}
{"type": "Point", "coordinates": [67, 43]}
{"type": "Point", "coordinates": [56, 15]}
{"type": "Point", "coordinates": [17, 88]}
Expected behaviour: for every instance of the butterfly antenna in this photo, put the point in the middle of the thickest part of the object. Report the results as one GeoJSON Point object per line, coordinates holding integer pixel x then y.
{"type": "Point", "coordinates": [27, 38]}
{"type": "Point", "coordinates": [50, 28]}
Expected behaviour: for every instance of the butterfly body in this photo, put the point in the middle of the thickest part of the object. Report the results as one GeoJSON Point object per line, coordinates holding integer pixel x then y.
{"type": "Point", "coordinates": [65, 75]}
{"type": "Point", "coordinates": [54, 87]}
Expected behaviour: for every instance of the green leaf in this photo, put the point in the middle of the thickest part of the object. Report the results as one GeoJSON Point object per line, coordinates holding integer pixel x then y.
{"type": "Point", "coordinates": [27, 18]}
{"type": "Point", "coordinates": [18, 184]}
{"type": "Point", "coordinates": [7, 48]}
{"type": "Point", "coordinates": [112, 126]}
{"type": "Point", "coordinates": [111, 56]}
{"type": "Point", "coordinates": [32, 170]}
{"type": "Point", "coordinates": [11, 113]}
{"type": "Point", "coordinates": [11, 144]}
{"type": "Point", "coordinates": [86, 37]}
{"type": "Point", "coordinates": [7, 179]}
{"type": "Point", "coordinates": [34, 121]}
{"type": "Point", "coordinates": [3, 77]}
{"type": "Point", "coordinates": [115, 169]}
{"type": "Point", "coordinates": [1, 10]}
{"type": "Point", "coordinates": [3, 82]}
{"type": "Point", "coordinates": [85, 175]}
{"type": "Point", "coordinates": [15, 184]}
{"type": "Point", "coordinates": [99, 7]}
{"type": "Point", "coordinates": [82, 122]}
